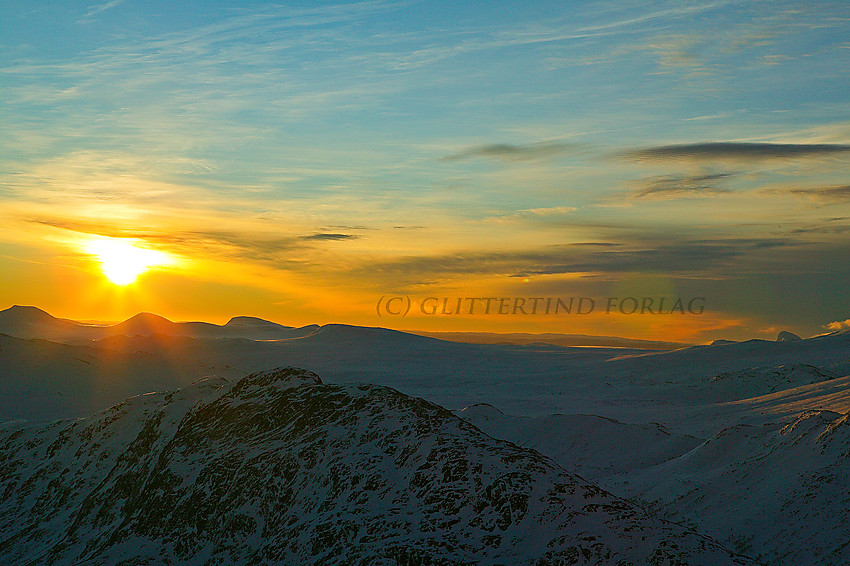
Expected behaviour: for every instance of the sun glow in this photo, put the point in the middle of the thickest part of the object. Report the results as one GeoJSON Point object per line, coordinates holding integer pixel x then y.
{"type": "Point", "coordinates": [122, 261]}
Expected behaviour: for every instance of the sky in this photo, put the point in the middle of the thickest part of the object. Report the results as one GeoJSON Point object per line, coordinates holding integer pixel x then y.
{"type": "Point", "coordinates": [318, 162]}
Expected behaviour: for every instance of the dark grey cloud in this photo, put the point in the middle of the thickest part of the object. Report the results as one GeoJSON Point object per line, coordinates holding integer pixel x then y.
{"type": "Point", "coordinates": [508, 152]}
{"type": "Point", "coordinates": [687, 257]}
{"type": "Point", "coordinates": [662, 254]}
{"type": "Point", "coordinates": [676, 186]}
{"type": "Point", "coordinates": [831, 225]}
{"type": "Point", "coordinates": [323, 236]}
{"type": "Point", "coordinates": [838, 193]}
{"type": "Point", "coordinates": [734, 150]}
{"type": "Point", "coordinates": [822, 229]}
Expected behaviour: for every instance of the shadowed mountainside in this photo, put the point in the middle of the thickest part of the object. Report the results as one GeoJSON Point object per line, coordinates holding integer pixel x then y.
{"type": "Point", "coordinates": [280, 469]}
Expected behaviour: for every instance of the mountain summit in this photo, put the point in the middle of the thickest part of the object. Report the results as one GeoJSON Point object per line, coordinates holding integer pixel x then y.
{"type": "Point", "coordinates": [25, 314]}
{"type": "Point", "coordinates": [32, 322]}
{"type": "Point", "coordinates": [144, 323]}
{"type": "Point", "coordinates": [254, 322]}
{"type": "Point", "coordinates": [786, 336]}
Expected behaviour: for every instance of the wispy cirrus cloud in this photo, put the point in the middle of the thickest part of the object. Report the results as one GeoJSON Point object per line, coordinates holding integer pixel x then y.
{"type": "Point", "coordinates": [830, 194]}
{"type": "Point", "coordinates": [737, 151]}
{"type": "Point", "coordinates": [509, 152]}
{"type": "Point", "coordinates": [330, 236]}
{"type": "Point", "coordinates": [679, 186]}
{"type": "Point", "coordinates": [549, 210]}
{"type": "Point", "coordinates": [532, 214]}
{"type": "Point", "coordinates": [98, 8]}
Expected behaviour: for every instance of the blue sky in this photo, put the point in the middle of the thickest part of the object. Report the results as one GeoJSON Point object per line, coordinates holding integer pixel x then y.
{"type": "Point", "coordinates": [310, 157]}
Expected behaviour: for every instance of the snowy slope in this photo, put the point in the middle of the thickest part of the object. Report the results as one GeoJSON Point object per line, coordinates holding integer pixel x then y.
{"type": "Point", "coordinates": [45, 380]}
{"type": "Point", "coordinates": [590, 445]}
{"type": "Point", "coordinates": [280, 469]}
{"type": "Point", "coordinates": [449, 373]}
{"type": "Point", "coordinates": [777, 491]}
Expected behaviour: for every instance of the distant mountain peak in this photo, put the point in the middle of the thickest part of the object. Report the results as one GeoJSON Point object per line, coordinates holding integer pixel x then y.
{"type": "Point", "coordinates": [147, 317]}
{"type": "Point", "coordinates": [252, 322]}
{"type": "Point", "coordinates": [786, 336]}
{"type": "Point", "coordinates": [144, 323]}
{"type": "Point", "coordinates": [24, 313]}
{"type": "Point", "coordinates": [28, 308]}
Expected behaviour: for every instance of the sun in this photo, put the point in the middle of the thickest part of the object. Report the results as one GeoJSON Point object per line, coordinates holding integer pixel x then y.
{"type": "Point", "coordinates": [122, 260]}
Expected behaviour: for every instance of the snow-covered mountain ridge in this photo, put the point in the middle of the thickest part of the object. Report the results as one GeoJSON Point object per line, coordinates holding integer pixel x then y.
{"type": "Point", "coordinates": [279, 468]}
